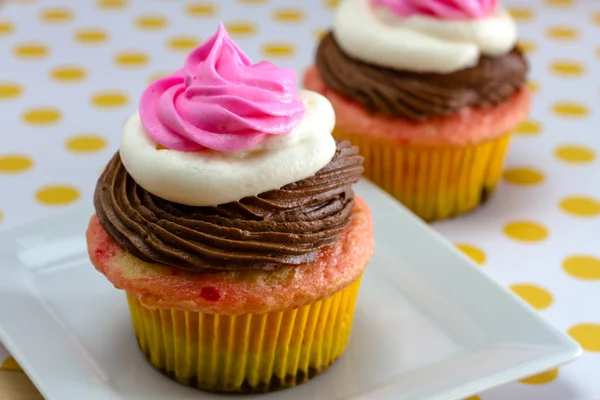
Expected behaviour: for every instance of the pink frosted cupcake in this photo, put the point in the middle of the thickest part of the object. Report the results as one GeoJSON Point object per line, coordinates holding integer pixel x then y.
{"type": "Point", "coordinates": [228, 217]}
{"type": "Point", "coordinates": [430, 91]}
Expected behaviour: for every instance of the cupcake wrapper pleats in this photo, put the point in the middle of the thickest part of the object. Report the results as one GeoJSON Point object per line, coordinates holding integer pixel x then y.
{"type": "Point", "coordinates": [247, 353]}
{"type": "Point", "coordinates": [434, 182]}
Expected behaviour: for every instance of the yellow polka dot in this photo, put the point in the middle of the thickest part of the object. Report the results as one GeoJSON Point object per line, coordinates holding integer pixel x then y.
{"type": "Point", "coordinates": [540, 379]}
{"type": "Point", "coordinates": [527, 46]}
{"type": "Point", "coordinates": [580, 206]}
{"type": "Point", "coordinates": [567, 68]}
{"type": "Point", "coordinates": [157, 76]}
{"type": "Point", "coordinates": [111, 4]}
{"type": "Point", "coordinates": [15, 163]}
{"type": "Point", "coordinates": [10, 364]}
{"type": "Point", "coordinates": [529, 128]}
{"type": "Point", "coordinates": [587, 335]}
{"type": "Point", "coordinates": [533, 86]}
{"type": "Point", "coordinates": [474, 253]}
{"type": "Point", "coordinates": [278, 49]}
{"type": "Point", "coordinates": [151, 22]}
{"type": "Point", "coordinates": [200, 9]}
{"type": "Point", "coordinates": [575, 154]}
{"type": "Point", "coordinates": [56, 15]}
{"type": "Point", "coordinates": [31, 50]}
{"type": "Point", "coordinates": [41, 116]}
{"type": "Point", "coordinates": [582, 266]}
{"type": "Point", "coordinates": [109, 99]}
{"type": "Point", "coordinates": [526, 231]}
{"type": "Point", "coordinates": [1, 216]}
{"type": "Point", "coordinates": [10, 90]}
{"type": "Point", "coordinates": [57, 195]}
{"type": "Point", "coordinates": [473, 398]}
{"type": "Point", "coordinates": [68, 74]}
{"type": "Point", "coordinates": [241, 28]}
{"type": "Point", "coordinates": [91, 36]}
{"type": "Point", "coordinates": [596, 18]}
{"type": "Point", "coordinates": [320, 33]}
{"type": "Point", "coordinates": [523, 176]}
{"type": "Point", "coordinates": [560, 3]}
{"type": "Point", "coordinates": [569, 109]}
{"type": "Point", "coordinates": [562, 32]}
{"type": "Point", "coordinates": [539, 298]}
{"type": "Point", "coordinates": [6, 28]}
{"type": "Point", "coordinates": [253, 2]}
{"type": "Point", "coordinates": [85, 143]}
{"type": "Point", "coordinates": [331, 3]}
{"type": "Point", "coordinates": [131, 59]}
{"type": "Point", "coordinates": [289, 15]}
{"type": "Point", "coordinates": [521, 14]}
{"type": "Point", "coordinates": [183, 43]}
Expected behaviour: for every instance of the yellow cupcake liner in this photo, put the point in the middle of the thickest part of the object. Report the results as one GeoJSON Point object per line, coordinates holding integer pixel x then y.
{"type": "Point", "coordinates": [434, 182]}
{"type": "Point", "coordinates": [249, 353]}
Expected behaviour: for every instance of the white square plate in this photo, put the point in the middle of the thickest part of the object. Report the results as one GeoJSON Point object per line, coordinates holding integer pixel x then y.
{"type": "Point", "coordinates": [429, 324]}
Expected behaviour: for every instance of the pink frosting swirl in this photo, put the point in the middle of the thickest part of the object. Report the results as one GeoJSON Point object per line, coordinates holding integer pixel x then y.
{"type": "Point", "coordinates": [220, 100]}
{"type": "Point", "coordinates": [442, 9]}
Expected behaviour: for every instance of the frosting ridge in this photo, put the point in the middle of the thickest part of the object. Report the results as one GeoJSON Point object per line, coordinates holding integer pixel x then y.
{"type": "Point", "coordinates": [420, 96]}
{"type": "Point", "coordinates": [211, 177]}
{"type": "Point", "coordinates": [220, 100]}
{"type": "Point", "coordinates": [420, 42]}
{"type": "Point", "coordinates": [282, 227]}
{"type": "Point", "coordinates": [443, 9]}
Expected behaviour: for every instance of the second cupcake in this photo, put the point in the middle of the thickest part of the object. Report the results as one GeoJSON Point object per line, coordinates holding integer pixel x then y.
{"type": "Point", "coordinates": [430, 91]}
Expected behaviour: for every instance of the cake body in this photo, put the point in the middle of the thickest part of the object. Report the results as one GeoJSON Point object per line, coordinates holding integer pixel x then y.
{"type": "Point", "coordinates": [242, 331]}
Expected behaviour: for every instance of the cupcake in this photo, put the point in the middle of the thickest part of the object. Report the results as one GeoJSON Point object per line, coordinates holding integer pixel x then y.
{"type": "Point", "coordinates": [430, 91]}
{"type": "Point", "coordinates": [229, 219]}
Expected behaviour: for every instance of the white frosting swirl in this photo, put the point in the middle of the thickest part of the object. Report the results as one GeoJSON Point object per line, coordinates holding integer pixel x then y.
{"type": "Point", "coordinates": [210, 178]}
{"type": "Point", "coordinates": [420, 43]}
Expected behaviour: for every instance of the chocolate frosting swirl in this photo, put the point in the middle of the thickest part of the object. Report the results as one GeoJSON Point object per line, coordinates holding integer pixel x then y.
{"type": "Point", "coordinates": [280, 227]}
{"type": "Point", "coordinates": [420, 96]}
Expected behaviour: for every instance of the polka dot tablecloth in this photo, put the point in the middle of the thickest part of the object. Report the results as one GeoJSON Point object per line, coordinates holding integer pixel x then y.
{"type": "Point", "coordinates": [71, 73]}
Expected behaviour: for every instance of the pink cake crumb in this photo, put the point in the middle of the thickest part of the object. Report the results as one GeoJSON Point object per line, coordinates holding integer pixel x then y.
{"type": "Point", "coordinates": [470, 126]}
{"type": "Point", "coordinates": [237, 292]}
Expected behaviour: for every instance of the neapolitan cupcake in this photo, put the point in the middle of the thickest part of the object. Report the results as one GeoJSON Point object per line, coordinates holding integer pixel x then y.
{"type": "Point", "coordinates": [430, 91]}
{"type": "Point", "coordinates": [229, 219]}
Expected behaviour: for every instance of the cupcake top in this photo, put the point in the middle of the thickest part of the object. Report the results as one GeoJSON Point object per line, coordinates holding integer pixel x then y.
{"type": "Point", "coordinates": [227, 166]}
{"type": "Point", "coordinates": [422, 58]}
